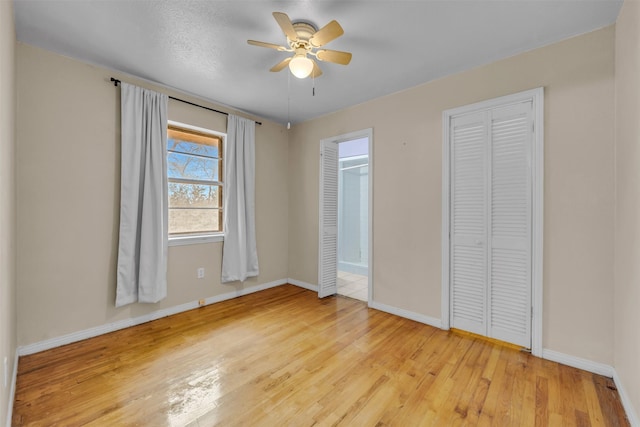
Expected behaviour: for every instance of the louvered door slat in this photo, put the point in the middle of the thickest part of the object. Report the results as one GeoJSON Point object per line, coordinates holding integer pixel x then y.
{"type": "Point", "coordinates": [510, 218]}
{"type": "Point", "coordinates": [328, 262]}
{"type": "Point", "coordinates": [468, 223]}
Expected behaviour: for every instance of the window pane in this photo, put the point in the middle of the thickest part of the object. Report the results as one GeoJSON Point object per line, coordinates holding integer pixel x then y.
{"type": "Point", "coordinates": [192, 148]}
{"type": "Point", "coordinates": [183, 221]}
{"type": "Point", "coordinates": [192, 167]}
{"type": "Point", "coordinates": [193, 196]}
{"type": "Point", "coordinates": [194, 156]}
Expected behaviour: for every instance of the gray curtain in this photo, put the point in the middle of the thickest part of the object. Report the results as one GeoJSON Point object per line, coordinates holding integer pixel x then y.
{"type": "Point", "coordinates": [142, 249]}
{"type": "Point", "coordinates": [239, 255]}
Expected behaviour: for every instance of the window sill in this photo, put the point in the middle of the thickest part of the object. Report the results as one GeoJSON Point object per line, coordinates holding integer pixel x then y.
{"type": "Point", "coordinates": [195, 240]}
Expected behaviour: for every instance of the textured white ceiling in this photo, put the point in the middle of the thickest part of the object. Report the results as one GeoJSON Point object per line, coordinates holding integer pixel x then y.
{"type": "Point", "coordinates": [200, 47]}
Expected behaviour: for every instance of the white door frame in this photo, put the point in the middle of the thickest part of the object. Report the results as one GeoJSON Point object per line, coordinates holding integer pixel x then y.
{"type": "Point", "coordinates": [537, 169]}
{"type": "Point", "coordinates": [364, 133]}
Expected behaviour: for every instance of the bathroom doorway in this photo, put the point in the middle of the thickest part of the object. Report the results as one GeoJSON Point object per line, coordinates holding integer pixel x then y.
{"type": "Point", "coordinates": [353, 218]}
{"type": "Point", "coordinates": [345, 249]}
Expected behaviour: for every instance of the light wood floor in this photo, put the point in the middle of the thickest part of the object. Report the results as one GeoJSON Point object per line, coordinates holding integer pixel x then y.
{"type": "Point", "coordinates": [283, 357]}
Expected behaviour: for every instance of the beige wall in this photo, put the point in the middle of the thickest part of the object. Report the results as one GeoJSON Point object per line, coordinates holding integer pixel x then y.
{"type": "Point", "coordinates": [407, 154]}
{"type": "Point", "coordinates": [627, 235]}
{"type": "Point", "coordinates": [68, 188]}
{"type": "Point", "coordinates": [7, 200]}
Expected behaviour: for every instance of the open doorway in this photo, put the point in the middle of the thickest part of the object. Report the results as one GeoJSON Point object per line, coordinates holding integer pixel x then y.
{"type": "Point", "coordinates": [346, 204]}
{"type": "Point", "coordinates": [353, 218]}
{"type": "Point", "coordinates": [345, 220]}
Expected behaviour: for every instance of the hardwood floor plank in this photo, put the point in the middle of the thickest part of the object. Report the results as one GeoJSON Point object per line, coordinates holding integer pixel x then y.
{"type": "Point", "coordinates": [609, 400]}
{"type": "Point", "coordinates": [502, 415]}
{"type": "Point", "coordinates": [284, 357]}
{"type": "Point", "coordinates": [542, 402]}
{"type": "Point", "coordinates": [593, 404]}
{"type": "Point", "coordinates": [466, 390]}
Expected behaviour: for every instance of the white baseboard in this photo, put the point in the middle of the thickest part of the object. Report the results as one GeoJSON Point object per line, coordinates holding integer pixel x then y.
{"type": "Point", "coordinates": [578, 362]}
{"type": "Point", "coordinates": [431, 321]}
{"type": "Point", "coordinates": [302, 284]}
{"type": "Point", "coordinates": [110, 327]}
{"type": "Point", "coordinates": [12, 389]}
{"type": "Point", "coordinates": [632, 415]}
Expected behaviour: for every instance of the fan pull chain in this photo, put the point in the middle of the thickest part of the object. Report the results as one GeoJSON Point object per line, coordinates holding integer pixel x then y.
{"type": "Point", "coordinates": [313, 79]}
{"type": "Point", "coordinates": [288, 100]}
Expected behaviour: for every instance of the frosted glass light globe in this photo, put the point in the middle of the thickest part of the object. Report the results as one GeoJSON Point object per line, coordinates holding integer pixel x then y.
{"type": "Point", "coordinates": [301, 66]}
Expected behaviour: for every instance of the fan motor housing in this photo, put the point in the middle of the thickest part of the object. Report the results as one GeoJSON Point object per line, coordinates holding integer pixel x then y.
{"type": "Point", "coordinates": [304, 30]}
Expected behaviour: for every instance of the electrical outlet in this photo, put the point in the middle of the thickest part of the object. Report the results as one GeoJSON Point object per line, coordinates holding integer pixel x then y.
{"type": "Point", "coordinates": [200, 273]}
{"type": "Point", "coordinates": [6, 372]}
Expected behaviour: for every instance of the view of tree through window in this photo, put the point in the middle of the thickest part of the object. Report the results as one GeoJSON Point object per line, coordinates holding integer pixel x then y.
{"type": "Point", "coordinates": [194, 167]}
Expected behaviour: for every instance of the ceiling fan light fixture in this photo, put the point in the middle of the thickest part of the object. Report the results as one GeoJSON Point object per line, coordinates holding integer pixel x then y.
{"type": "Point", "coordinates": [304, 39]}
{"type": "Point", "coordinates": [301, 66]}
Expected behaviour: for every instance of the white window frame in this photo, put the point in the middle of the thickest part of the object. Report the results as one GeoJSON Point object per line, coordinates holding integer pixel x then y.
{"type": "Point", "coordinates": [203, 237]}
{"type": "Point", "coordinates": [537, 97]}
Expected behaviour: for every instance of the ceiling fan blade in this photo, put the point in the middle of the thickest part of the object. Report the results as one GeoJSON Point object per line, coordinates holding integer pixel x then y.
{"type": "Point", "coordinates": [280, 65]}
{"type": "Point", "coordinates": [334, 56]}
{"type": "Point", "coordinates": [316, 72]}
{"type": "Point", "coordinates": [324, 35]}
{"type": "Point", "coordinates": [269, 45]}
{"type": "Point", "coordinates": [285, 23]}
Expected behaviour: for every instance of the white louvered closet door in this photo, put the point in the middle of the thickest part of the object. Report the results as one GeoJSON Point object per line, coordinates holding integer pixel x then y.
{"type": "Point", "coordinates": [468, 270]}
{"type": "Point", "coordinates": [490, 223]}
{"type": "Point", "coordinates": [328, 261]}
{"type": "Point", "coordinates": [510, 218]}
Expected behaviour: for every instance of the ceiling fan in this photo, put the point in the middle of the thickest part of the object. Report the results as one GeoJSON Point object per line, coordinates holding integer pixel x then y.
{"type": "Point", "coordinates": [304, 39]}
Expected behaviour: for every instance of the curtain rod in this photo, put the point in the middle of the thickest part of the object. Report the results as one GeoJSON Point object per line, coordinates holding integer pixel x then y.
{"type": "Point", "coordinates": [116, 82]}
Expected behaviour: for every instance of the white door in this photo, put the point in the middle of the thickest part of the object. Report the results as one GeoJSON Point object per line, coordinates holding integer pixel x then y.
{"type": "Point", "coordinates": [491, 222]}
{"type": "Point", "coordinates": [510, 218]}
{"type": "Point", "coordinates": [328, 249]}
{"type": "Point", "coordinates": [468, 268]}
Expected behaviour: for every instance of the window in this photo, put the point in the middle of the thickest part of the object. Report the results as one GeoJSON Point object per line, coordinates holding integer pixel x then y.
{"type": "Point", "coordinates": [194, 171]}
